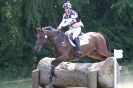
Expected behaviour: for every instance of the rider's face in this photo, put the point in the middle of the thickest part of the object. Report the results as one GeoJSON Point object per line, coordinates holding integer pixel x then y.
{"type": "Point", "coordinates": [67, 10]}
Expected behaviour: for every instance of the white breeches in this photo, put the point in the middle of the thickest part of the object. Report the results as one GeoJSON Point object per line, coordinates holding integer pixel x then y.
{"type": "Point", "coordinates": [74, 31]}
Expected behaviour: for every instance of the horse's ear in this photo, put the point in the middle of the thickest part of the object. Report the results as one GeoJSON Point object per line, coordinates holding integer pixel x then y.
{"type": "Point", "coordinates": [38, 29]}
{"type": "Point", "coordinates": [53, 29]}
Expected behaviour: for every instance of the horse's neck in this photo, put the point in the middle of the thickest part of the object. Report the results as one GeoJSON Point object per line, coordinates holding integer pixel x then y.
{"type": "Point", "coordinates": [58, 38]}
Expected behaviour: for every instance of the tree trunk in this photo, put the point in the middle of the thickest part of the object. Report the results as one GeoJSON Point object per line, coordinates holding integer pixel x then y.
{"type": "Point", "coordinates": [91, 75]}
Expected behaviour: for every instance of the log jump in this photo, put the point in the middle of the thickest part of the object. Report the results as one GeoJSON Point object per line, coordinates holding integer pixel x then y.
{"type": "Point", "coordinates": [91, 75]}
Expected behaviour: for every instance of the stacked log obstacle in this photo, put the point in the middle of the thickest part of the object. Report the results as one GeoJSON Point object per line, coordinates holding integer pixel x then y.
{"type": "Point", "coordinates": [91, 75]}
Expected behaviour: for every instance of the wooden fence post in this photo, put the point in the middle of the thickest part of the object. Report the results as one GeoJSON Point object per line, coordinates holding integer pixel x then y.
{"type": "Point", "coordinates": [117, 54]}
{"type": "Point", "coordinates": [35, 78]}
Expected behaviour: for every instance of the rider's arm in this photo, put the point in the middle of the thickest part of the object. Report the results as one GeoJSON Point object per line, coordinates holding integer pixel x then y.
{"type": "Point", "coordinates": [61, 24]}
{"type": "Point", "coordinates": [65, 22]}
{"type": "Point", "coordinates": [74, 15]}
{"type": "Point", "coordinates": [72, 19]}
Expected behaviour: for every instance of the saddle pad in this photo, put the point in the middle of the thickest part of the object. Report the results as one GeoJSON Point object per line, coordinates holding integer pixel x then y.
{"type": "Point", "coordinates": [83, 40]}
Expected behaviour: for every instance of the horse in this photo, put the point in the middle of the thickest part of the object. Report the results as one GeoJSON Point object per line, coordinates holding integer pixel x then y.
{"type": "Point", "coordinates": [96, 47]}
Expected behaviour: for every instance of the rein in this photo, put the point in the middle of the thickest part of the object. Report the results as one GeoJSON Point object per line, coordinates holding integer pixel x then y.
{"type": "Point", "coordinates": [64, 40]}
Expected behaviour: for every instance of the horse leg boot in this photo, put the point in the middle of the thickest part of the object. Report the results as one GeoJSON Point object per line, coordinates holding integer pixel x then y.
{"type": "Point", "coordinates": [77, 42]}
{"type": "Point", "coordinates": [54, 63]}
{"type": "Point", "coordinates": [52, 74]}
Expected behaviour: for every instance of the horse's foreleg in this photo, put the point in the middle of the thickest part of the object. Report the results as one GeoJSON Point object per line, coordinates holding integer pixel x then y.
{"type": "Point", "coordinates": [55, 63]}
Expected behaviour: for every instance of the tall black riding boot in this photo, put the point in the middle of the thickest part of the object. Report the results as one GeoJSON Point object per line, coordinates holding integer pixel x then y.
{"type": "Point", "coordinates": [77, 42]}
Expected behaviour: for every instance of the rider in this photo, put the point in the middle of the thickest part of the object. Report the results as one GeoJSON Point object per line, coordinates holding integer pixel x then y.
{"type": "Point", "coordinates": [70, 17]}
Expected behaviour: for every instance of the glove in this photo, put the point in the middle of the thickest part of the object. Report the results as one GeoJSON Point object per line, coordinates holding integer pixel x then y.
{"type": "Point", "coordinates": [58, 28]}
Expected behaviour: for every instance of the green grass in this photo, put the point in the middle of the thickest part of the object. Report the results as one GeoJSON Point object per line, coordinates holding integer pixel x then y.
{"type": "Point", "coordinates": [23, 83]}
{"type": "Point", "coordinates": [126, 78]}
{"type": "Point", "coordinates": [126, 81]}
{"type": "Point", "coordinates": [125, 85]}
{"type": "Point", "coordinates": [13, 73]}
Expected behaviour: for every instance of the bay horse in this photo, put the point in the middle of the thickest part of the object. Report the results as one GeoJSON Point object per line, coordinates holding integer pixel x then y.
{"type": "Point", "coordinates": [97, 47]}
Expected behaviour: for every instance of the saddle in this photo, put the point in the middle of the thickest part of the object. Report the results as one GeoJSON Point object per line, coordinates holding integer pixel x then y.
{"type": "Point", "coordinates": [82, 38]}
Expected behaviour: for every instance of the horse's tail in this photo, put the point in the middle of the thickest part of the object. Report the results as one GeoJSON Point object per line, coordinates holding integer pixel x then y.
{"type": "Point", "coordinates": [107, 43]}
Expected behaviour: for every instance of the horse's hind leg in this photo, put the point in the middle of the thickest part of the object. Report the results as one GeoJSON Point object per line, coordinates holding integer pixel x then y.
{"type": "Point", "coordinates": [103, 53]}
{"type": "Point", "coordinates": [102, 46]}
{"type": "Point", "coordinates": [96, 55]}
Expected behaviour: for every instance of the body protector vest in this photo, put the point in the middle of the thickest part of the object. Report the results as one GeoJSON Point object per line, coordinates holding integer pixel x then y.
{"type": "Point", "coordinates": [71, 19]}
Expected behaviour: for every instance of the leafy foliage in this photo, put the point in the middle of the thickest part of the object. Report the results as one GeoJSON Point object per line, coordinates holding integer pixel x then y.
{"type": "Point", "coordinates": [19, 19]}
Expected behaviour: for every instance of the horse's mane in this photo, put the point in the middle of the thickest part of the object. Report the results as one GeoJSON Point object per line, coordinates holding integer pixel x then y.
{"type": "Point", "coordinates": [49, 28]}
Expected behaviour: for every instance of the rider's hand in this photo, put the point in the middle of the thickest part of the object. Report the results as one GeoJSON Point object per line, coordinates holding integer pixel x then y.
{"type": "Point", "coordinates": [58, 28]}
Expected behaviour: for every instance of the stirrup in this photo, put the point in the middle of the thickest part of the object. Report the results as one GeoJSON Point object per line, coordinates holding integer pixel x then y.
{"type": "Point", "coordinates": [79, 52]}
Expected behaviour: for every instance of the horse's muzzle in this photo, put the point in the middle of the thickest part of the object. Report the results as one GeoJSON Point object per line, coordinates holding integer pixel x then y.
{"type": "Point", "coordinates": [38, 49]}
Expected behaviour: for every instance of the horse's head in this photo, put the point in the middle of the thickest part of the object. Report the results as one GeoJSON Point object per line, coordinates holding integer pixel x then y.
{"type": "Point", "coordinates": [42, 37]}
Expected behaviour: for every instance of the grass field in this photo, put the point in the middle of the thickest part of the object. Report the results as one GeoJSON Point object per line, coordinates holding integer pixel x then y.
{"type": "Point", "coordinates": [126, 78]}
{"type": "Point", "coordinates": [125, 85]}
{"type": "Point", "coordinates": [126, 81]}
{"type": "Point", "coordinates": [23, 83]}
